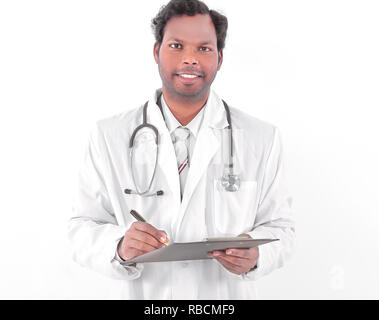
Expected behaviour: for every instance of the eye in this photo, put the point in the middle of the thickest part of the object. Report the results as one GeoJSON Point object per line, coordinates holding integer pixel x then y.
{"type": "Point", "coordinates": [205, 49]}
{"type": "Point", "coordinates": [175, 45]}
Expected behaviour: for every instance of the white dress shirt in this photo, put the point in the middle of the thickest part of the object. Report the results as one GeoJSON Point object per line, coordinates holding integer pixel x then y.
{"type": "Point", "coordinates": [194, 126]}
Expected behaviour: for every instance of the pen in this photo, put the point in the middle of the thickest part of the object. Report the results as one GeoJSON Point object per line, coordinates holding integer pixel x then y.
{"type": "Point", "coordinates": [138, 217]}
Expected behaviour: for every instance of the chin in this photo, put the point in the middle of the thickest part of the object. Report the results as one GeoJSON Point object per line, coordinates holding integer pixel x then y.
{"type": "Point", "coordinates": [192, 92]}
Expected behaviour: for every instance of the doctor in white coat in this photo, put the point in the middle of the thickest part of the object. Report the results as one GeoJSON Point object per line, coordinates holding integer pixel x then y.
{"type": "Point", "coordinates": [102, 232]}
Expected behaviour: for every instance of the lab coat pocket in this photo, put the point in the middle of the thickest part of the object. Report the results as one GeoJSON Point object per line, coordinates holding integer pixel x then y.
{"type": "Point", "coordinates": [234, 212]}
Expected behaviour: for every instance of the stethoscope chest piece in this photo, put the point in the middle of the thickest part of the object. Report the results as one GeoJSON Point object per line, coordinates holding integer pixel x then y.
{"type": "Point", "coordinates": [231, 182]}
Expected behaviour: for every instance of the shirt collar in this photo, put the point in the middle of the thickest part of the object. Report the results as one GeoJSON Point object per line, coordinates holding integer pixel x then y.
{"type": "Point", "coordinates": [172, 123]}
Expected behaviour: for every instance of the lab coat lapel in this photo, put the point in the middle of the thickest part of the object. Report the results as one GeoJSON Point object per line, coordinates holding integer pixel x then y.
{"type": "Point", "coordinates": [207, 144]}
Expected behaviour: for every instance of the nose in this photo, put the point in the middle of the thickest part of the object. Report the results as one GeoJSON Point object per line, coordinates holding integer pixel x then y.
{"type": "Point", "coordinates": [190, 58]}
{"type": "Point", "coordinates": [191, 61]}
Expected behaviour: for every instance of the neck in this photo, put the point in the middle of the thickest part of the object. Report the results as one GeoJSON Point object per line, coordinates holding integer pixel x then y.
{"type": "Point", "coordinates": [184, 110]}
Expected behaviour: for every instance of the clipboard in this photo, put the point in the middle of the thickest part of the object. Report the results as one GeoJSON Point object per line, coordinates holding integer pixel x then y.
{"type": "Point", "coordinates": [181, 251]}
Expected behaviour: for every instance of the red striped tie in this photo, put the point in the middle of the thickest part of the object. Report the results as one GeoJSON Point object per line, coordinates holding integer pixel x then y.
{"type": "Point", "coordinates": [180, 140]}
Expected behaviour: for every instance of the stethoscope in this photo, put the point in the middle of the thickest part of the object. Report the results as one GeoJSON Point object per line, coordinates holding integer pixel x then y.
{"type": "Point", "coordinates": [229, 181]}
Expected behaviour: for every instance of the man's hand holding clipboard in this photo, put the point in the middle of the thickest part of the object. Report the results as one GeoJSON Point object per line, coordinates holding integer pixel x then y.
{"type": "Point", "coordinates": [237, 260]}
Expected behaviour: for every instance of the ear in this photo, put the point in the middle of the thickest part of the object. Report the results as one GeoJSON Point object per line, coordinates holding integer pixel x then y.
{"type": "Point", "coordinates": [156, 52]}
{"type": "Point", "coordinates": [220, 59]}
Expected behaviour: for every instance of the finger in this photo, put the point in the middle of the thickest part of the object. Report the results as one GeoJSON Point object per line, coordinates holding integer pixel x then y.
{"type": "Point", "coordinates": [145, 237]}
{"type": "Point", "coordinates": [148, 228]}
{"type": "Point", "coordinates": [244, 235]}
{"type": "Point", "coordinates": [241, 253]}
{"type": "Point", "coordinates": [139, 245]}
{"type": "Point", "coordinates": [238, 269]}
{"type": "Point", "coordinates": [166, 240]}
{"type": "Point", "coordinates": [240, 262]}
{"type": "Point", "coordinates": [251, 254]}
{"type": "Point", "coordinates": [243, 263]}
{"type": "Point", "coordinates": [218, 253]}
{"type": "Point", "coordinates": [230, 266]}
{"type": "Point", "coordinates": [132, 253]}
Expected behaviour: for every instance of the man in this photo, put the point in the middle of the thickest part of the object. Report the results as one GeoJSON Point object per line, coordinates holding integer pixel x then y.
{"type": "Point", "coordinates": [188, 51]}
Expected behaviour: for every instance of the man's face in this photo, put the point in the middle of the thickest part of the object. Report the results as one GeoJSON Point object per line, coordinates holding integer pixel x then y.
{"type": "Point", "coordinates": [188, 58]}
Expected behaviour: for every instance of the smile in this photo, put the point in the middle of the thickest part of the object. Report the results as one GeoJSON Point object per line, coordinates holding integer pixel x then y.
{"type": "Point", "coordinates": [189, 76]}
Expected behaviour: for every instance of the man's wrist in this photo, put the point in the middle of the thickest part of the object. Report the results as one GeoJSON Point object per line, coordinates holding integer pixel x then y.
{"type": "Point", "coordinates": [118, 256]}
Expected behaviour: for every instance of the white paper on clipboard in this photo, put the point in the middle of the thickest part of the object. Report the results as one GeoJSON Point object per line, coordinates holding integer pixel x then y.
{"type": "Point", "coordinates": [196, 250]}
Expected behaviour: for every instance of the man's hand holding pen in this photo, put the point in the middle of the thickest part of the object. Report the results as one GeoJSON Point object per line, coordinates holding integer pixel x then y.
{"type": "Point", "coordinates": [141, 238]}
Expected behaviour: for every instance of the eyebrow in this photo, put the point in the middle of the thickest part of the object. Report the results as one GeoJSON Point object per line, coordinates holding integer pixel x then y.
{"type": "Point", "coordinates": [201, 43]}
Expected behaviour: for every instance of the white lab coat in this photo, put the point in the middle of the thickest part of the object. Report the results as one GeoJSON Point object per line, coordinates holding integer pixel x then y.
{"type": "Point", "coordinates": [260, 208]}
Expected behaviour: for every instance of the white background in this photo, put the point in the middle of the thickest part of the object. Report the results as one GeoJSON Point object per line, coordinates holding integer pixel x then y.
{"type": "Point", "coordinates": [309, 67]}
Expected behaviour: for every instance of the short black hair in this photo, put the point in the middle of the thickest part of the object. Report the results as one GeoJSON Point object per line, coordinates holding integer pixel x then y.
{"type": "Point", "coordinates": [190, 8]}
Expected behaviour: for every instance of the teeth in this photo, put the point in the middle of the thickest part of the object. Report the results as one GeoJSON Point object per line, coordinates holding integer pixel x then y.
{"type": "Point", "coordinates": [190, 76]}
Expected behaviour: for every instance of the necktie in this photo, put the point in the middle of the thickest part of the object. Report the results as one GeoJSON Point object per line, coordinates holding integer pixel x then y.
{"type": "Point", "coordinates": [181, 144]}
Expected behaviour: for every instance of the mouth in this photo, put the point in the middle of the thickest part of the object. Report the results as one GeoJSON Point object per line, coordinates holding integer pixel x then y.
{"type": "Point", "coordinates": [188, 78]}
{"type": "Point", "coordinates": [188, 75]}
